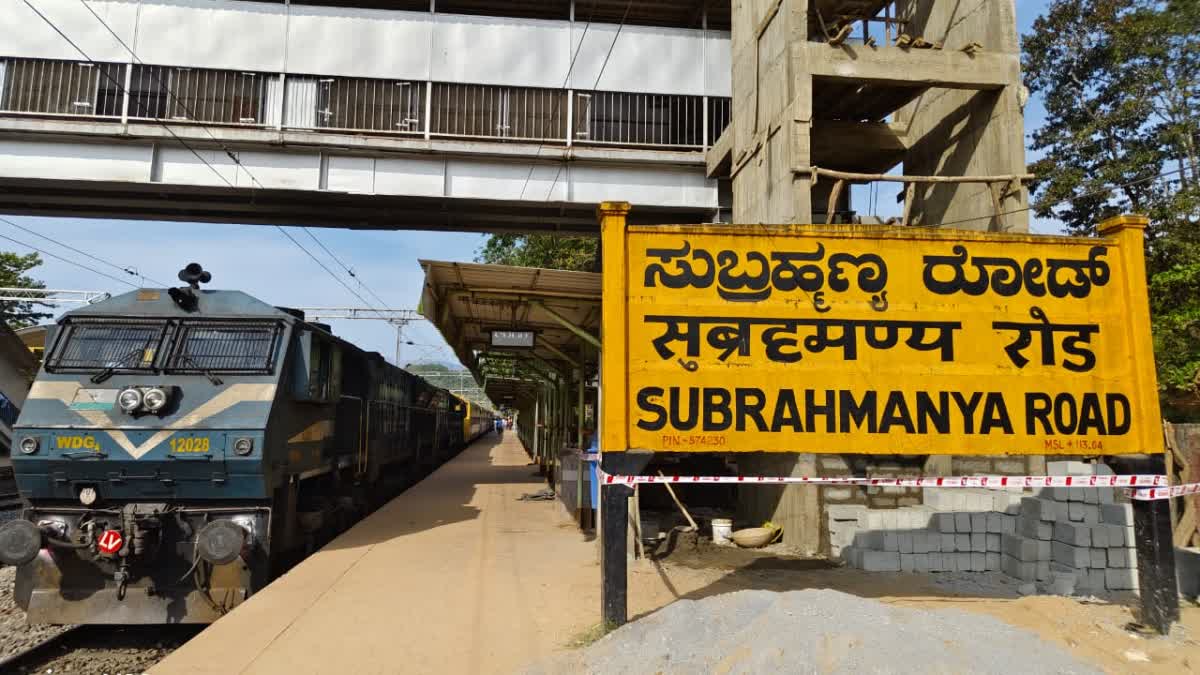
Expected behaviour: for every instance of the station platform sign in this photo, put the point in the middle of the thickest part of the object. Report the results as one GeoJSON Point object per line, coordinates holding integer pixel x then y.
{"type": "Point", "coordinates": [876, 340]}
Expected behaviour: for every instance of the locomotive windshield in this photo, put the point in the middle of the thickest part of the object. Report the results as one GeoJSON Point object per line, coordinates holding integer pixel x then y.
{"type": "Point", "coordinates": [123, 346]}
{"type": "Point", "coordinates": [133, 346]}
{"type": "Point", "coordinates": [247, 348]}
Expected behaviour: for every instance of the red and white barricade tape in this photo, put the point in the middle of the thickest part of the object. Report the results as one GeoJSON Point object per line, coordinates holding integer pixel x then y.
{"type": "Point", "coordinates": [1130, 481]}
{"type": "Point", "coordinates": [1144, 487]}
{"type": "Point", "coordinates": [1169, 492]}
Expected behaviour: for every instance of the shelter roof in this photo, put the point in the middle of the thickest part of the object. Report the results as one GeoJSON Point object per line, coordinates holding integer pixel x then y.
{"type": "Point", "coordinates": [509, 391]}
{"type": "Point", "coordinates": [467, 301]}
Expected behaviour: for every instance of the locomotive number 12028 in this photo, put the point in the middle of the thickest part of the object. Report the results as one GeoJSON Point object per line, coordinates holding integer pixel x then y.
{"type": "Point", "coordinates": [190, 444]}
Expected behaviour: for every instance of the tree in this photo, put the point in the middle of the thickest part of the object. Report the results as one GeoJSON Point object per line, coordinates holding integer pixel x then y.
{"type": "Point", "coordinates": [541, 250]}
{"type": "Point", "coordinates": [1121, 85]}
{"type": "Point", "coordinates": [20, 313]}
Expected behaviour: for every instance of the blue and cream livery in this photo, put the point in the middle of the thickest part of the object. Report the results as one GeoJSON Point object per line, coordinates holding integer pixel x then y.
{"type": "Point", "coordinates": [180, 447]}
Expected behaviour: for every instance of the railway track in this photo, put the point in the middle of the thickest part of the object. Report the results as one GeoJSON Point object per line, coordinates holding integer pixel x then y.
{"type": "Point", "coordinates": [34, 655]}
{"type": "Point", "coordinates": [100, 649]}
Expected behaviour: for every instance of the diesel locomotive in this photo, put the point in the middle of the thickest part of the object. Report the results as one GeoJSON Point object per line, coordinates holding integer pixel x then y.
{"type": "Point", "coordinates": [181, 447]}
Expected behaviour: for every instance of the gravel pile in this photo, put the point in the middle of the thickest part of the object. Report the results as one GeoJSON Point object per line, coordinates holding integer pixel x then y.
{"type": "Point", "coordinates": [14, 634]}
{"type": "Point", "coordinates": [813, 631]}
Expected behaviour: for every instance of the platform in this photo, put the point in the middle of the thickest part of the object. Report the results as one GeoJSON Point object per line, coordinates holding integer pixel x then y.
{"type": "Point", "coordinates": [456, 575]}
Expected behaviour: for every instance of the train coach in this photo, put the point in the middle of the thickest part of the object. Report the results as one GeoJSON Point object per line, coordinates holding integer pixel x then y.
{"type": "Point", "coordinates": [181, 447]}
{"type": "Point", "coordinates": [477, 421]}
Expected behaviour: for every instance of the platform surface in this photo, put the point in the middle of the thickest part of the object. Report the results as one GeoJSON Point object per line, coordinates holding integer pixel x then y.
{"type": "Point", "coordinates": [456, 575]}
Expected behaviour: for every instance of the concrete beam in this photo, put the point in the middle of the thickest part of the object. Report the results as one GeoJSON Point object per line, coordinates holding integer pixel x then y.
{"type": "Point", "coordinates": [943, 68]}
{"type": "Point", "coordinates": [314, 208]}
{"type": "Point", "coordinates": [866, 146]}
{"type": "Point", "coordinates": [209, 136]}
{"type": "Point", "coordinates": [719, 159]}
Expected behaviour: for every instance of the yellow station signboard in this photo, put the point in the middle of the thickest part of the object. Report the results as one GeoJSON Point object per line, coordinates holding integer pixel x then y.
{"type": "Point", "coordinates": [857, 339]}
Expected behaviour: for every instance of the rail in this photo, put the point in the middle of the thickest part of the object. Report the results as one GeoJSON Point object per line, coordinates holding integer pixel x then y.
{"type": "Point", "coordinates": [414, 108]}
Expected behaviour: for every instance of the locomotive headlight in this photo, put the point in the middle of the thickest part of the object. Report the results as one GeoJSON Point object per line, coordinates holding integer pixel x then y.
{"type": "Point", "coordinates": [129, 400]}
{"type": "Point", "coordinates": [87, 496]}
{"type": "Point", "coordinates": [29, 445]}
{"type": "Point", "coordinates": [154, 399]}
{"type": "Point", "coordinates": [243, 446]}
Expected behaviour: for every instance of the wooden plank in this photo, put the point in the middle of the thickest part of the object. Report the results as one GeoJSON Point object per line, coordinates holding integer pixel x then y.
{"type": "Point", "coordinates": [834, 196]}
{"type": "Point", "coordinates": [909, 194]}
{"type": "Point", "coordinates": [896, 178]}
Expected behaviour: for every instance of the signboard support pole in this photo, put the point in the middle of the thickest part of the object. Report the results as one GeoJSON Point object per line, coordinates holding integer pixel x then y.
{"type": "Point", "coordinates": [614, 529]}
{"type": "Point", "coordinates": [614, 518]}
{"type": "Point", "coordinates": [1158, 587]}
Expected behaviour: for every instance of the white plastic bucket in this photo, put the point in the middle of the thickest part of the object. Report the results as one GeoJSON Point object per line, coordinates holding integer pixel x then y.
{"type": "Point", "coordinates": [722, 528]}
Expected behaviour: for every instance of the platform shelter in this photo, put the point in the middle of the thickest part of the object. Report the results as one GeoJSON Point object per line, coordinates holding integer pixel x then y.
{"type": "Point", "coordinates": [530, 337]}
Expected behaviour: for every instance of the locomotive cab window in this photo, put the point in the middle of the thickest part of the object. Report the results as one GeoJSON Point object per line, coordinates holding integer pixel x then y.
{"type": "Point", "coordinates": [121, 346]}
{"type": "Point", "coordinates": [244, 348]}
{"type": "Point", "coordinates": [319, 377]}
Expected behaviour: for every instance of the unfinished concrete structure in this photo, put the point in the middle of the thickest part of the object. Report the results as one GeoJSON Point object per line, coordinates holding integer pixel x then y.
{"type": "Point", "coordinates": [831, 92]}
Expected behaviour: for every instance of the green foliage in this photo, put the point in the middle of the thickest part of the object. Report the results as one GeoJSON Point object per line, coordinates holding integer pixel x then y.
{"type": "Point", "coordinates": [541, 250]}
{"type": "Point", "coordinates": [19, 314]}
{"type": "Point", "coordinates": [1121, 84]}
{"type": "Point", "coordinates": [431, 367]}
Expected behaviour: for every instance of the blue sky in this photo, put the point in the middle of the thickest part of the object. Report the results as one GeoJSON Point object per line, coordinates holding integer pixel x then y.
{"type": "Point", "coordinates": [262, 262]}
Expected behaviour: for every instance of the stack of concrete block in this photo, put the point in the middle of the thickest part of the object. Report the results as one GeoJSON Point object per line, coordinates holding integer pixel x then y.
{"type": "Point", "coordinates": [956, 530]}
{"type": "Point", "coordinates": [1069, 539]}
{"type": "Point", "coordinates": [1092, 543]}
{"type": "Point", "coordinates": [1029, 549]}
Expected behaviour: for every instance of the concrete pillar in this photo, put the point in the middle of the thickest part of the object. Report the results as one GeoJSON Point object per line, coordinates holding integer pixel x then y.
{"type": "Point", "coordinates": [771, 123]}
{"type": "Point", "coordinates": [964, 118]}
{"type": "Point", "coordinates": [795, 508]}
{"type": "Point", "coordinates": [962, 132]}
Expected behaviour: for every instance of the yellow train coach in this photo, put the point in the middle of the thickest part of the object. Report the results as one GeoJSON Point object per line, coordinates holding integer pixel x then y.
{"type": "Point", "coordinates": [477, 421]}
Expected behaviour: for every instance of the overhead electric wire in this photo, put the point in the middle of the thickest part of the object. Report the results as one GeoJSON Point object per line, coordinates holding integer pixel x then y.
{"type": "Point", "coordinates": [566, 81]}
{"type": "Point", "coordinates": [191, 113]}
{"type": "Point", "coordinates": [611, 46]}
{"type": "Point", "coordinates": [98, 259]}
{"type": "Point", "coordinates": [349, 272]}
{"type": "Point", "coordinates": [329, 271]}
{"type": "Point", "coordinates": [1092, 193]}
{"type": "Point", "coordinates": [120, 87]}
{"type": "Point", "coordinates": [69, 262]}
{"type": "Point", "coordinates": [232, 156]}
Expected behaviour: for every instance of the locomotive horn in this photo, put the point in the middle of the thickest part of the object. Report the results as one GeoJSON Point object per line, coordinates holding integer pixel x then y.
{"type": "Point", "coordinates": [193, 275]}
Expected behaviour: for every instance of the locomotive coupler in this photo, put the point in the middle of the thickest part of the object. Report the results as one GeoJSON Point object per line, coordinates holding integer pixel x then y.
{"type": "Point", "coordinates": [121, 576]}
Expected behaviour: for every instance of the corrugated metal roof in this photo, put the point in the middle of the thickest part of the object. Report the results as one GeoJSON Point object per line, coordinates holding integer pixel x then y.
{"type": "Point", "coordinates": [466, 301]}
